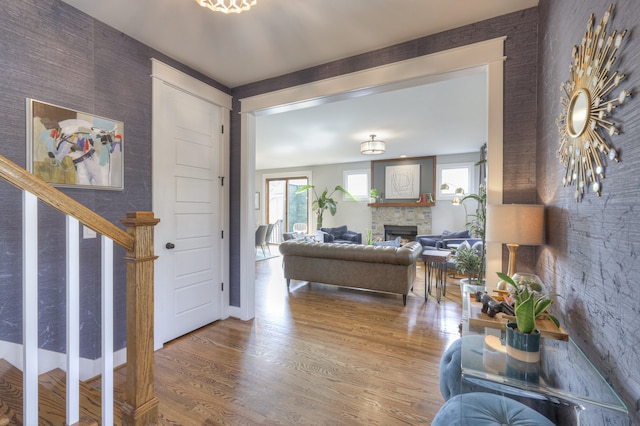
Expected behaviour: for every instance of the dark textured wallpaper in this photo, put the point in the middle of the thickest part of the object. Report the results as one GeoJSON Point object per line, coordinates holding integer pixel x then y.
{"type": "Point", "coordinates": [591, 255]}
{"type": "Point", "coordinates": [51, 52]}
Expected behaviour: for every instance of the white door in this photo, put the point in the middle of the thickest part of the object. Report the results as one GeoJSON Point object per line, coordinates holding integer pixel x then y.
{"type": "Point", "coordinates": [187, 197]}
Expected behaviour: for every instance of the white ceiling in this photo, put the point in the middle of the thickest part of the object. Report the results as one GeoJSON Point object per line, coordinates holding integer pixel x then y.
{"type": "Point", "coordinates": [281, 36]}
{"type": "Point", "coordinates": [442, 117]}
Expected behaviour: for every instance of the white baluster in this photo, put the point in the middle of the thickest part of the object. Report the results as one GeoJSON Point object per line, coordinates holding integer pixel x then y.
{"type": "Point", "coordinates": [30, 307]}
{"type": "Point", "coordinates": [107, 331]}
{"type": "Point", "coordinates": [73, 321]}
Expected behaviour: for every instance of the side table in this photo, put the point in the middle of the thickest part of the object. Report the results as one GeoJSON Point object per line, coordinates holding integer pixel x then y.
{"type": "Point", "coordinates": [564, 383]}
{"type": "Point", "coordinates": [435, 261]}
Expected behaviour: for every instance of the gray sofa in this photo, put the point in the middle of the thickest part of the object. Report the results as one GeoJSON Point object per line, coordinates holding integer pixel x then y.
{"type": "Point", "coordinates": [384, 269]}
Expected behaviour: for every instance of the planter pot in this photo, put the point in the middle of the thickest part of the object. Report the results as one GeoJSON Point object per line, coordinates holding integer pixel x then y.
{"type": "Point", "coordinates": [473, 281]}
{"type": "Point", "coordinates": [523, 347]}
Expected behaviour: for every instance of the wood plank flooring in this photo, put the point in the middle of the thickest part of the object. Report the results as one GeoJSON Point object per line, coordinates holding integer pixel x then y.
{"type": "Point", "coordinates": [314, 355]}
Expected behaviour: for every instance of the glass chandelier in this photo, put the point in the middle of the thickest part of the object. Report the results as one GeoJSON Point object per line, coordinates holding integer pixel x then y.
{"type": "Point", "coordinates": [227, 6]}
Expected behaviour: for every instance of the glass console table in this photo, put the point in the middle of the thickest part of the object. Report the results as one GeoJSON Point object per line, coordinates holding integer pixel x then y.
{"type": "Point", "coordinates": [564, 386]}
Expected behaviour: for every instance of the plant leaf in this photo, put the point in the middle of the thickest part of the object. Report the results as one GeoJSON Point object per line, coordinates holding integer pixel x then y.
{"type": "Point", "coordinates": [525, 316]}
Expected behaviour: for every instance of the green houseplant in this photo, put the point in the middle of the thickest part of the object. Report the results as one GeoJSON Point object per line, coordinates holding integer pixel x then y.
{"type": "Point", "coordinates": [324, 201]}
{"type": "Point", "coordinates": [468, 262]}
{"type": "Point", "coordinates": [530, 303]}
{"type": "Point", "coordinates": [478, 223]}
{"type": "Point", "coordinates": [373, 195]}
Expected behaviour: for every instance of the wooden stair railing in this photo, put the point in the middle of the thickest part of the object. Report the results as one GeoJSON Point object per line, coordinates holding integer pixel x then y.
{"type": "Point", "coordinates": [141, 405]}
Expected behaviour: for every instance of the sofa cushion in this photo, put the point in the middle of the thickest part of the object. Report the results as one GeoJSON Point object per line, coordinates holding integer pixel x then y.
{"type": "Point", "coordinates": [405, 255]}
{"type": "Point", "coordinates": [336, 232]}
{"type": "Point", "coordinates": [455, 234]}
{"type": "Point", "coordinates": [427, 241]}
{"type": "Point", "coordinates": [392, 243]}
{"type": "Point", "coordinates": [350, 236]}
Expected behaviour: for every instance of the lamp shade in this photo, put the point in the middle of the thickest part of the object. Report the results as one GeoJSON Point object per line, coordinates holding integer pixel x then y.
{"type": "Point", "coordinates": [372, 147]}
{"type": "Point", "coordinates": [515, 224]}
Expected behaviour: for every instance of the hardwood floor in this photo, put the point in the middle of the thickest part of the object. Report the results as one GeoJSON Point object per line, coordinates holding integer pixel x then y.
{"type": "Point", "coordinates": [314, 355]}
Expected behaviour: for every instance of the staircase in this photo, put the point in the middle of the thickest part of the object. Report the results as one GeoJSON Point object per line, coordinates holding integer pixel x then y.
{"type": "Point", "coordinates": [51, 395]}
{"type": "Point", "coordinates": [25, 398]}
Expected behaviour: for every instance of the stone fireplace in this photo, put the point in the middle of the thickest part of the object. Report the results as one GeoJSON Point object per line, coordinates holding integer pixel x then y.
{"type": "Point", "coordinates": [418, 217]}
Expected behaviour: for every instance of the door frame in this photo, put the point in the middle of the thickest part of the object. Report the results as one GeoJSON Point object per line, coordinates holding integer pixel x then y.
{"type": "Point", "coordinates": [486, 55]}
{"type": "Point", "coordinates": [164, 74]}
{"type": "Point", "coordinates": [282, 176]}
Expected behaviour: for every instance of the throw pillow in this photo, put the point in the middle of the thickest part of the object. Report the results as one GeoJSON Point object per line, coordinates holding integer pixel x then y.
{"type": "Point", "coordinates": [456, 234]}
{"type": "Point", "coordinates": [465, 243]}
{"type": "Point", "coordinates": [390, 243]}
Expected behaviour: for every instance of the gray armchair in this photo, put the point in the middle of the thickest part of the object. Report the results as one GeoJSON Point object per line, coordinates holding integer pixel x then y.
{"type": "Point", "coordinates": [341, 235]}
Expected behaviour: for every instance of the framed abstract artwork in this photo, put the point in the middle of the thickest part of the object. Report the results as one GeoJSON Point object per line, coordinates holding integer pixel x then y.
{"type": "Point", "coordinates": [402, 181]}
{"type": "Point", "coordinates": [74, 149]}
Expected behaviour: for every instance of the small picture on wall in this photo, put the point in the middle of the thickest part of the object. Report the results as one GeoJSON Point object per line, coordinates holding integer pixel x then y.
{"type": "Point", "coordinates": [402, 182]}
{"type": "Point", "coordinates": [72, 148]}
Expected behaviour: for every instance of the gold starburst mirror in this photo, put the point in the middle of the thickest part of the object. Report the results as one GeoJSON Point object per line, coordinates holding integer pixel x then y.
{"type": "Point", "coordinates": [585, 121]}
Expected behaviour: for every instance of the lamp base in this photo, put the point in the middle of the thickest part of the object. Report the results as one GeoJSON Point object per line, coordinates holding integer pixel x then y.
{"type": "Point", "coordinates": [502, 285]}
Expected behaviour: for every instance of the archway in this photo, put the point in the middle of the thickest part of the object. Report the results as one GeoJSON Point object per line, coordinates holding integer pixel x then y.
{"type": "Point", "coordinates": [488, 55]}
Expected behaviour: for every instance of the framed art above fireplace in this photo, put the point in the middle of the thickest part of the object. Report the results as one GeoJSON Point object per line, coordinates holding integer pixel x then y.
{"type": "Point", "coordinates": [404, 181]}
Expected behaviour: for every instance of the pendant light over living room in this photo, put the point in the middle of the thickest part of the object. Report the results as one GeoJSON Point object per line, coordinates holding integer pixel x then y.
{"type": "Point", "coordinates": [372, 147]}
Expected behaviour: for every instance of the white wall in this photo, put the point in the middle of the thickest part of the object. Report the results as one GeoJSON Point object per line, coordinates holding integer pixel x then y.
{"type": "Point", "coordinates": [445, 215]}
{"type": "Point", "coordinates": [357, 215]}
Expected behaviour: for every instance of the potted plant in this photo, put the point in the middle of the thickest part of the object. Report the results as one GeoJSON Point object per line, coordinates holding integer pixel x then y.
{"type": "Point", "coordinates": [324, 201]}
{"type": "Point", "coordinates": [530, 303]}
{"type": "Point", "coordinates": [373, 195]}
{"type": "Point", "coordinates": [369, 236]}
{"type": "Point", "coordinates": [477, 224]}
{"type": "Point", "coordinates": [469, 262]}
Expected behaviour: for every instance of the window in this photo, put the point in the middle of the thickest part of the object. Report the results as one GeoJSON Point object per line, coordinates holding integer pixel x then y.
{"type": "Point", "coordinates": [458, 175]}
{"type": "Point", "coordinates": [356, 182]}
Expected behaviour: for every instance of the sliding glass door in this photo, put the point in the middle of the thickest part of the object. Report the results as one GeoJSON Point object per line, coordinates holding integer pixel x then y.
{"type": "Point", "coordinates": [283, 204]}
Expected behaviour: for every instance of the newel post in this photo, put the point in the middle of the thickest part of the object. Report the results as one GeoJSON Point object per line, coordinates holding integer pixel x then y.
{"type": "Point", "coordinates": [141, 405]}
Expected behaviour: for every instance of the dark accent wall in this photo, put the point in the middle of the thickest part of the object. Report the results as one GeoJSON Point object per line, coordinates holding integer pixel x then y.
{"type": "Point", "coordinates": [592, 247]}
{"type": "Point", "coordinates": [519, 106]}
{"type": "Point", "coordinates": [57, 54]}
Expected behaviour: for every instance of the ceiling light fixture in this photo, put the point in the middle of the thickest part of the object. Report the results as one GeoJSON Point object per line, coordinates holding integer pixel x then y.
{"type": "Point", "coordinates": [372, 147]}
{"type": "Point", "coordinates": [227, 6]}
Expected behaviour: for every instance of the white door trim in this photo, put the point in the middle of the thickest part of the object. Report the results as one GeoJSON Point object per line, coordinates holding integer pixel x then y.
{"type": "Point", "coordinates": [188, 84]}
{"type": "Point", "coordinates": [487, 54]}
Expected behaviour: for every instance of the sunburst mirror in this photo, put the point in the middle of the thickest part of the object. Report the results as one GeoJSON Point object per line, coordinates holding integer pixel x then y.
{"type": "Point", "coordinates": [587, 103]}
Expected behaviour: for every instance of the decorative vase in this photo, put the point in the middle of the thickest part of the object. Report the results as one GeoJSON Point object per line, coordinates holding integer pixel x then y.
{"type": "Point", "coordinates": [522, 346]}
{"type": "Point", "coordinates": [524, 371]}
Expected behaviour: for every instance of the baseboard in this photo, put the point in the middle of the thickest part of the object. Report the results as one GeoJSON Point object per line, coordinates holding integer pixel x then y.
{"type": "Point", "coordinates": [50, 360]}
{"type": "Point", "coordinates": [235, 312]}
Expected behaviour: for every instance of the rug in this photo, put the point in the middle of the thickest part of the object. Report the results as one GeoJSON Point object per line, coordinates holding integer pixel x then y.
{"type": "Point", "coordinates": [260, 257]}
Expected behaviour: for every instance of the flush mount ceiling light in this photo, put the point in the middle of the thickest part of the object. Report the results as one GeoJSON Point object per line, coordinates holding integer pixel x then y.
{"type": "Point", "coordinates": [372, 147]}
{"type": "Point", "coordinates": [227, 6]}
{"type": "Point", "coordinates": [584, 122]}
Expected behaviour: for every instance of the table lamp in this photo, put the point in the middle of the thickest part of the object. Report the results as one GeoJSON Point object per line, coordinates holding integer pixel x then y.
{"type": "Point", "coordinates": [515, 225]}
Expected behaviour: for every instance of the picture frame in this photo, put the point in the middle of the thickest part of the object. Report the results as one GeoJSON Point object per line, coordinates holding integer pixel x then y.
{"type": "Point", "coordinates": [402, 181]}
{"type": "Point", "coordinates": [70, 148]}
{"type": "Point", "coordinates": [256, 201]}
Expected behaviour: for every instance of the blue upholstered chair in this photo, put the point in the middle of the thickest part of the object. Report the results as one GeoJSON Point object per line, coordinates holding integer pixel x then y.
{"type": "Point", "coordinates": [450, 370]}
{"type": "Point", "coordinates": [476, 408]}
{"type": "Point", "coordinates": [487, 409]}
